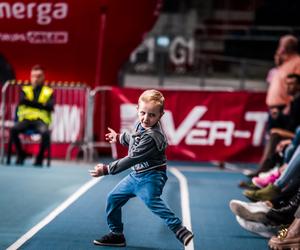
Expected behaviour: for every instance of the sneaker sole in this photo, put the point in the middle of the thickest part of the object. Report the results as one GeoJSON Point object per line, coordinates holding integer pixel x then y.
{"type": "Point", "coordinates": [244, 213]}
{"type": "Point", "coordinates": [257, 228]}
{"type": "Point", "coordinates": [108, 244]}
{"type": "Point", "coordinates": [286, 246]}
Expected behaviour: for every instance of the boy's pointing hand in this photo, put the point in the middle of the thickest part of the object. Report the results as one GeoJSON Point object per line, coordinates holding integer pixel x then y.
{"type": "Point", "coordinates": [111, 136]}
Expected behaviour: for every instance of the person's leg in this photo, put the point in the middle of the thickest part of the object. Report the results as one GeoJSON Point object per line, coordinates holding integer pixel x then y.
{"type": "Point", "coordinates": [296, 139]}
{"type": "Point", "coordinates": [288, 152]}
{"type": "Point", "coordinates": [19, 127]}
{"type": "Point", "coordinates": [289, 175]}
{"type": "Point", "coordinates": [288, 238]}
{"type": "Point", "coordinates": [149, 190]}
{"type": "Point", "coordinates": [43, 130]}
{"type": "Point", "coordinates": [269, 158]}
{"type": "Point", "coordinates": [116, 199]}
{"type": "Point", "coordinates": [287, 193]}
{"type": "Point", "coordinates": [272, 191]}
{"type": "Point", "coordinates": [291, 172]}
{"type": "Point", "coordinates": [285, 214]}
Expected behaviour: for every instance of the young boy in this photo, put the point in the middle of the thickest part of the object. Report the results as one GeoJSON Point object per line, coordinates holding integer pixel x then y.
{"type": "Point", "coordinates": [146, 155]}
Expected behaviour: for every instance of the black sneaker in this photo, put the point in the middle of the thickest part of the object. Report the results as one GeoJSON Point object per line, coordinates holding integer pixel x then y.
{"type": "Point", "coordinates": [21, 158]}
{"type": "Point", "coordinates": [184, 235]}
{"type": "Point", "coordinates": [111, 239]}
{"type": "Point", "coordinates": [38, 163]}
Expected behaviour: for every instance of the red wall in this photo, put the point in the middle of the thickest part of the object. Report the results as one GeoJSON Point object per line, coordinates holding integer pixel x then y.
{"type": "Point", "coordinates": [76, 59]}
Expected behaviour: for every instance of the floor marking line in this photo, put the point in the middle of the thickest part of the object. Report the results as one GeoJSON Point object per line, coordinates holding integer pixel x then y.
{"type": "Point", "coordinates": [52, 215]}
{"type": "Point", "coordinates": [185, 202]}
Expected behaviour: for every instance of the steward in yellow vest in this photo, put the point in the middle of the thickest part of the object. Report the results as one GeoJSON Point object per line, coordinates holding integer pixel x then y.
{"type": "Point", "coordinates": [34, 113]}
{"type": "Point", "coordinates": [36, 104]}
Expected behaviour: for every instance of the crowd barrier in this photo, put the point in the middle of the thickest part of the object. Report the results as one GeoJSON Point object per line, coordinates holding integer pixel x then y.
{"type": "Point", "coordinates": [97, 120]}
{"type": "Point", "coordinates": [200, 125]}
{"type": "Point", "coordinates": [68, 119]}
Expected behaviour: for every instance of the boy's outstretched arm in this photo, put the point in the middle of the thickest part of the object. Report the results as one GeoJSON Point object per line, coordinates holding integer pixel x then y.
{"type": "Point", "coordinates": [139, 154]}
{"type": "Point", "coordinates": [99, 170]}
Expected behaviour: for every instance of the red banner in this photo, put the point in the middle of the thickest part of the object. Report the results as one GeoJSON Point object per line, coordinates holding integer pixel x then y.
{"type": "Point", "coordinates": [201, 125]}
{"type": "Point", "coordinates": [82, 41]}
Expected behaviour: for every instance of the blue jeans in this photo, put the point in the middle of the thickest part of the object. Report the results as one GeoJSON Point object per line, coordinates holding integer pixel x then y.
{"type": "Point", "coordinates": [292, 171]}
{"type": "Point", "coordinates": [290, 150]}
{"type": "Point", "coordinates": [147, 186]}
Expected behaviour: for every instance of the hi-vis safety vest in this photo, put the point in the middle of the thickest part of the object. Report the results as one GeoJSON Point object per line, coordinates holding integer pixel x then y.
{"type": "Point", "coordinates": [31, 113]}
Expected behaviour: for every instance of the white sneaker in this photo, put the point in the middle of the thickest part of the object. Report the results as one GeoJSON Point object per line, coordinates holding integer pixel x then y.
{"type": "Point", "coordinates": [252, 211]}
{"type": "Point", "coordinates": [248, 172]}
{"type": "Point", "coordinates": [257, 227]}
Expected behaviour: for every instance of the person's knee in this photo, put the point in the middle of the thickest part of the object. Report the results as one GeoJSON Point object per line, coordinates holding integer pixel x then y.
{"type": "Point", "coordinates": [112, 202]}
{"type": "Point", "coordinates": [111, 198]}
{"type": "Point", "coordinates": [14, 131]}
{"type": "Point", "coordinates": [45, 134]}
{"type": "Point", "coordinates": [44, 130]}
{"type": "Point", "coordinates": [149, 200]}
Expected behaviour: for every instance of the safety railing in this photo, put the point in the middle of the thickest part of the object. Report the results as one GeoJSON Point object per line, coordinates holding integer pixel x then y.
{"type": "Point", "coordinates": [69, 116]}
{"type": "Point", "coordinates": [240, 32]}
{"type": "Point", "coordinates": [90, 143]}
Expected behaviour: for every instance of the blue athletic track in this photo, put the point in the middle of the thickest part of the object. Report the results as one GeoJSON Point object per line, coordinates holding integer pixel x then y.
{"type": "Point", "coordinates": [30, 195]}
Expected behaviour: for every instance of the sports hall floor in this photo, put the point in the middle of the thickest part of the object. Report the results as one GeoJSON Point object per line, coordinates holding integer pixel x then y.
{"type": "Point", "coordinates": [62, 207]}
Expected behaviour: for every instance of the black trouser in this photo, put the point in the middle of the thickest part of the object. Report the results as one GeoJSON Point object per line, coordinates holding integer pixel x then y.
{"type": "Point", "coordinates": [280, 121]}
{"type": "Point", "coordinates": [38, 127]}
{"type": "Point", "coordinates": [270, 157]}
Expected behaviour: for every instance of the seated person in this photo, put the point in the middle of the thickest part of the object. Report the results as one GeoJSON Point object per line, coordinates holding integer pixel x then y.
{"type": "Point", "coordinates": [290, 120]}
{"type": "Point", "coordinates": [288, 238]}
{"type": "Point", "coordinates": [34, 113]}
{"type": "Point", "coordinates": [291, 171]}
{"type": "Point", "coordinates": [278, 99]}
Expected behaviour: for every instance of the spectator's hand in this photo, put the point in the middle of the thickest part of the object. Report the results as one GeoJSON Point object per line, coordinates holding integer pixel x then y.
{"type": "Point", "coordinates": [274, 112]}
{"type": "Point", "coordinates": [98, 170]}
{"type": "Point", "coordinates": [111, 136]}
{"type": "Point", "coordinates": [286, 110]}
{"type": "Point", "coordinates": [282, 144]}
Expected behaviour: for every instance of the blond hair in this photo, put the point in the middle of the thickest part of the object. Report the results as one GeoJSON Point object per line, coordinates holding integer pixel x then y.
{"type": "Point", "coordinates": [155, 96]}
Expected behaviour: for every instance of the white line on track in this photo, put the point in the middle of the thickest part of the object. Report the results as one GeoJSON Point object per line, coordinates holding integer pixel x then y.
{"type": "Point", "coordinates": [53, 214]}
{"type": "Point", "coordinates": [185, 202]}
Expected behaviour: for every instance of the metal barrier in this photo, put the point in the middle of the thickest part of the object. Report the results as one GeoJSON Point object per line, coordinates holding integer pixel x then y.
{"type": "Point", "coordinates": [69, 116]}
{"type": "Point", "coordinates": [89, 144]}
